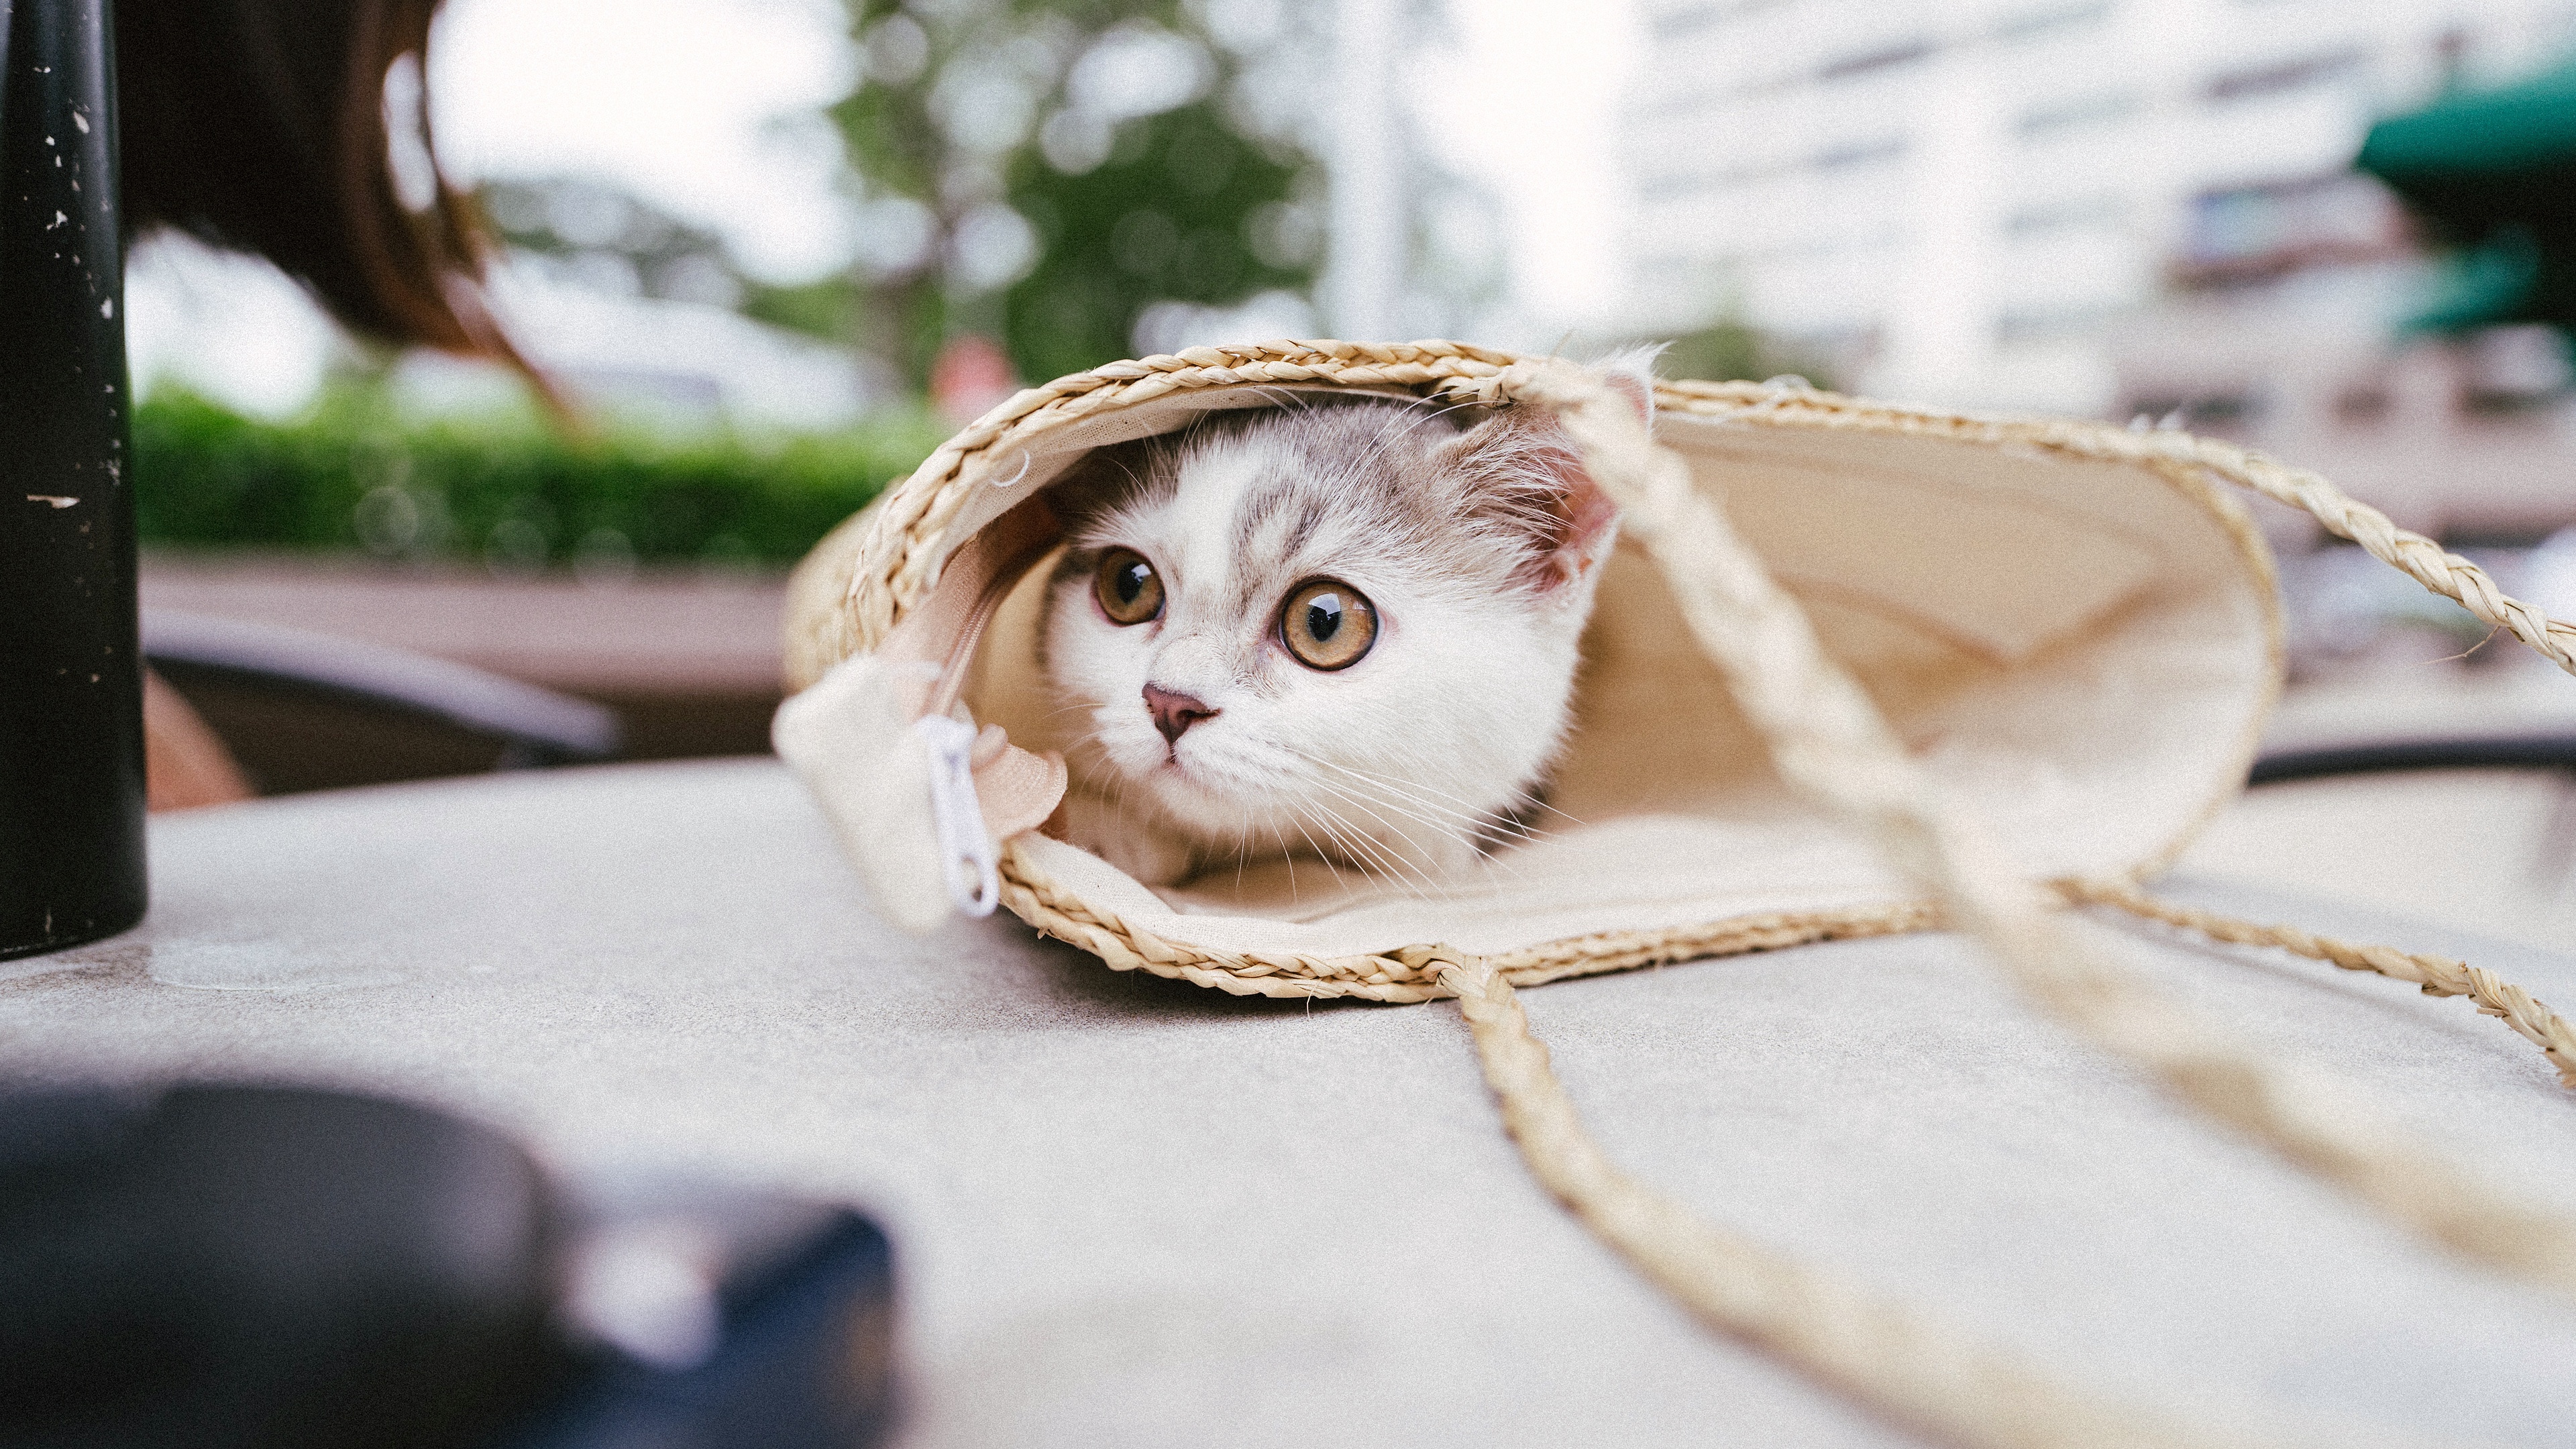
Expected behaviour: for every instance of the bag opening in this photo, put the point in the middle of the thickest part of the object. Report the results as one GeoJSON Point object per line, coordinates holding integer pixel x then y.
{"type": "Point", "coordinates": [2081, 648]}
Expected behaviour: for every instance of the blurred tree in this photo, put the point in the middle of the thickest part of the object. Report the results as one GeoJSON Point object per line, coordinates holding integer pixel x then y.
{"type": "Point", "coordinates": [1045, 173]}
{"type": "Point", "coordinates": [1730, 351]}
{"type": "Point", "coordinates": [607, 240]}
{"type": "Point", "coordinates": [611, 241]}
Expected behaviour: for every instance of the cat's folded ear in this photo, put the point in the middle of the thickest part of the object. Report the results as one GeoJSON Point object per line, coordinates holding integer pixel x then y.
{"type": "Point", "coordinates": [1591, 529]}
{"type": "Point", "coordinates": [1631, 374]}
{"type": "Point", "coordinates": [1523, 477]}
{"type": "Point", "coordinates": [1533, 479]}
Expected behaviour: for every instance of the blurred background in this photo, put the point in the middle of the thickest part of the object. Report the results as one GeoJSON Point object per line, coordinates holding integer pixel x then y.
{"type": "Point", "coordinates": [771, 251]}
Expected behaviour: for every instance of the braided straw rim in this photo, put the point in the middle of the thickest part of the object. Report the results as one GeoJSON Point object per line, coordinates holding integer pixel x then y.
{"type": "Point", "coordinates": [1830, 743]}
{"type": "Point", "coordinates": [905, 539]}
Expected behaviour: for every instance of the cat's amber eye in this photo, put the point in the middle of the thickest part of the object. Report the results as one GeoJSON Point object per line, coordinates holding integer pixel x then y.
{"type": "Point", "coordinates": [1327, 624]}
{"type": "Point", "coordinates": [1129, 589]}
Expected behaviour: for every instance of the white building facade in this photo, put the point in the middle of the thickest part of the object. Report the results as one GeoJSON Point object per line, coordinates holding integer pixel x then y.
{"type": "Point", "coordinates": [2039, 204]}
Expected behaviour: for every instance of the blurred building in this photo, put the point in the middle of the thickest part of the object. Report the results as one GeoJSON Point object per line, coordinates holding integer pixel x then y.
{"type": "Point", "coordinates": [2105, 207]}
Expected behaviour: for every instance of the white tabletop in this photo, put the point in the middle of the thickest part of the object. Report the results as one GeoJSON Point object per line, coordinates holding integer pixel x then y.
{"type": "Point", "coordinates": [1131, 1212]}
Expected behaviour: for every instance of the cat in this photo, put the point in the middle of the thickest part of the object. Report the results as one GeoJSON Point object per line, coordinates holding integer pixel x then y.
{"type": "Point", "coordinates": [1343, 628]}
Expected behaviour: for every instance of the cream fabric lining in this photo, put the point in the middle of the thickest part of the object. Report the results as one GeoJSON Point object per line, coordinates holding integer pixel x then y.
{"type": "Point", "coordinates": [2120, 675]}
{"type": "Point", "coordinates": [2082, 651]}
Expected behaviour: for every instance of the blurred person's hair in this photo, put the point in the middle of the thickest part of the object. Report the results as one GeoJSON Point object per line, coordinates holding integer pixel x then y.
{"type": "Point", "coordinates": [261, 125]}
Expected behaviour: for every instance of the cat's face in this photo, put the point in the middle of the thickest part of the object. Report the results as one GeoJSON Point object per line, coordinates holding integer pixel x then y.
{"type": "Point", "coordinates": [1345, 630]}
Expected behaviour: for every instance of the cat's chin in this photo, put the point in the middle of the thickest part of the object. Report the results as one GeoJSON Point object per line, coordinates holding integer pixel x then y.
{"type": "Point", "coordinates": [1134, 841]}
{"type": "Point", "coordinates": [1194, 792]}
{"type": "Point", "coordinates": [1200, 827]}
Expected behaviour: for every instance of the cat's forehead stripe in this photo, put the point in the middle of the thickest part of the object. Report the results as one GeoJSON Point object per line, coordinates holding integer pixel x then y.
{"type": "Point", "coordinates": [1197, 523]}
{"type": "Point", "coordinates": [1237, 509]}
{"type": "Point", "coordinates": [1269, 530]}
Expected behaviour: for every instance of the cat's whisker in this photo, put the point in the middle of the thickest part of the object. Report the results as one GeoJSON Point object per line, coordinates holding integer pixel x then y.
{"type": "Point", "coordinates": [1337, 831]}
{"type": "Point", "coordinates": [1375, 858]}
{"type": "Point", "coordinates": [1410, 413]}
{"type": "Point", "coordinates": [1481, 860]}
{"type": "Point", "coordinates": [1365, 807]}
{"type": "Point", "coordinates": [1484, 859]}
{"type": "Point", "coordinates": [1290, 857]}
{"type": "Point", "coordinates": [1383, 858]}
{"type": "Point", "coordinates": [1284, 398]}
{"type": "Point", "coordinates": [1525, 799]}
{"type": "Point", "coordinates": [1370, 804]}
{"type": "Point", "coordinates": [1378, 808]}
{"type": "Point", "coordinates": [1479, 820]}
{"type": "Point", "coordinates": [1320, 853]}
{"type": "Point", "coordinates": [1477, 823]}
{"type": "Point", "coordinates": [1537, 801]}
{"type": "Point", "coordinates": [1468, 816]}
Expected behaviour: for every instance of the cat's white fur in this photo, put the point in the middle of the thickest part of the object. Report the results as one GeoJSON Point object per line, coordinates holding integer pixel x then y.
{"type": "Point", "coordinates": [1480, 549]}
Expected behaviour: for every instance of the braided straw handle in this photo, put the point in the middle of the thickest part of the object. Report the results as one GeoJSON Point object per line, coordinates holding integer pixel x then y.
{"type": "Point", "coordinates": [2346, 517]}
{"type": "Point", "coordinates": [2186, 460]}
{"type": "Point", "coordinates": [2440, 572]}
{"type": "Point", "coordinates": [1828, 741]}
{"type": "Point", "coordinates": [1900, 1364]}
{"type": "Point", "coordinates": [2436, 975]}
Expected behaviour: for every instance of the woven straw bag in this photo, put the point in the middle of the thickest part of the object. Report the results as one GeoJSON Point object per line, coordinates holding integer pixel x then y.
{"type": "Point", "coordinates": [1855, 669]}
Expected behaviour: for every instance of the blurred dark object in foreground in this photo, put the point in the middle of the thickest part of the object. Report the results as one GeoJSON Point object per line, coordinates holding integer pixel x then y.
{"type": "Point", "coordinates": [71, 694]}
{"type": "Point", "coordinates": [278, 1268]}
{"type": "Point", "coordinates": [262, 1267]}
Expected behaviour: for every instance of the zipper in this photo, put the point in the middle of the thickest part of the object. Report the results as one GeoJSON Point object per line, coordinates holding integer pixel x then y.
{"type": "Point", "coordinates": [968, 862]}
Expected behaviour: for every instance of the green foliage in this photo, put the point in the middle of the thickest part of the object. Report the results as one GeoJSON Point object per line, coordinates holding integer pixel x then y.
{"type": "Point", "coordinates": [976, 121]}
{"type": "Point", "coordinates": [1170, 216]}
{"type": "Point", "coordinates": [1733, 351]}
{"type": "Point", "coordinates": [355, 473]}
{"type": "Point", "coordinates": [827, 309]}
{"type": "Point", "coordinates": [580, 219]}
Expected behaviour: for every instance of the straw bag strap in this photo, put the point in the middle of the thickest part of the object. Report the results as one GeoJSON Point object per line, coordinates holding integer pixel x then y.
{"type": "Point", "coordinates": [2494, 996]}
{"type": "Point", "coordinates": [1828, 741]}
{"type": "Point", "coordinates": [2172, 453]}
{"type": "Point", "coordinates": [2346, 517]}
{"type": "Point", "coordinates": [1910, 1369]}
{"type": "Point", "coordinates": [2443, 573]}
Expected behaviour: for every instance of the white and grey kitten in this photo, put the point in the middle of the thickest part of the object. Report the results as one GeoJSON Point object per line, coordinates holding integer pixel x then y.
{"type": "Point", "coordinates": [1345, 629]}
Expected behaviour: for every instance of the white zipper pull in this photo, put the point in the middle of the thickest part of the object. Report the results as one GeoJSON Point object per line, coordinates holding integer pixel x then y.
{"type": "Point", "coordinates": [966, 856]}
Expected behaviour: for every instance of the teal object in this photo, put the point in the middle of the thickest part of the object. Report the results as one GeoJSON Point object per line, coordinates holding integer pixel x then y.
{"type": "Point", "coordinates": [2493, 173]}
{"type": "Point", "coordinates": [2519, 128]}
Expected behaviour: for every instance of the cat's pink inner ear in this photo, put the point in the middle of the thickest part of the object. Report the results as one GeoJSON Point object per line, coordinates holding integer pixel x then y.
{"type": "Point", "coordinates": [1522, 470]}
{"type": "Point", "coordinates": [1588, 511]}
{"type": "Point", "coordinates": [1583, 515]}
{"type": "Point", "coordinates": [1639, 392]}
{"type": "Point", "coordinates": [1589, 514]}
{"type": "Point", "coordinates": [1631, 374]}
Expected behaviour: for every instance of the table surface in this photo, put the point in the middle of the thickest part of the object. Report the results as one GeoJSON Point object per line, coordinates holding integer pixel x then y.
{"type": "Point", "coordinates": [1132, 1212]}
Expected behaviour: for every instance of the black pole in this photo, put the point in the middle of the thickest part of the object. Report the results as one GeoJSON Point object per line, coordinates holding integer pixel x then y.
{"type": "Point", "coordinates": [71, 691]}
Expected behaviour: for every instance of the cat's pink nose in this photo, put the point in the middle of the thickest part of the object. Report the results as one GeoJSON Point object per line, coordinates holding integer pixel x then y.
{"type": "Point", "coordinates": [1175, 713]}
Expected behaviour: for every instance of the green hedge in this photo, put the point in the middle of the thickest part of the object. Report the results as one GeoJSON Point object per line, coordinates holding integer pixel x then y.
{"type": "Point", "coordinates": [354, 473]}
